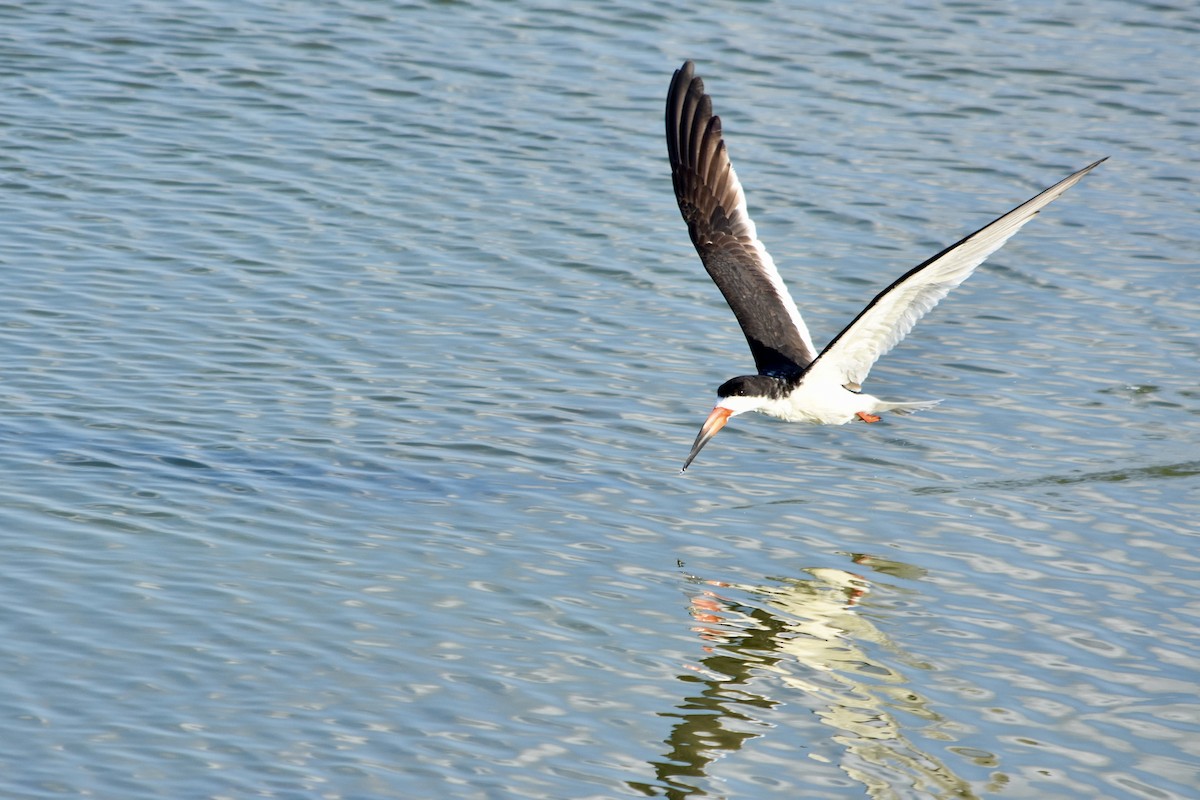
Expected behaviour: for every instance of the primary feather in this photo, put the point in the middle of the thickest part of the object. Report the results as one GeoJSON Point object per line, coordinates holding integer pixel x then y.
{"type": "Point", "coordinates": [714, 206]}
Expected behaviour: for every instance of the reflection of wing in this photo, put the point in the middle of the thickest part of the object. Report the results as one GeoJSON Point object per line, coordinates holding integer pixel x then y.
{"type": "Point", "coordinates": [860, 710]}
{"type": "Point", "coordinates": [891, 315]}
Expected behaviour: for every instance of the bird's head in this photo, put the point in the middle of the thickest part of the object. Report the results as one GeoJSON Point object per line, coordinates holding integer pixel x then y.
{"type": "Point", "coordinates": [735, 396]}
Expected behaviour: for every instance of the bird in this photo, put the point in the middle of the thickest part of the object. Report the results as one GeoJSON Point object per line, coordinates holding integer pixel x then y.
{"type": "Point", "coordinates": [794, 381]}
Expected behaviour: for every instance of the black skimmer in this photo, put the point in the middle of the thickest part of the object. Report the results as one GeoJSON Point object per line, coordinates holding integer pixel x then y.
{"type": "Point", "coordinates": [795, 382]}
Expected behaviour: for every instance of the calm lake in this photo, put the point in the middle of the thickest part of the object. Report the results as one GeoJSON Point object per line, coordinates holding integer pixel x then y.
{"type": "Point", "coordinates": [352, 350]}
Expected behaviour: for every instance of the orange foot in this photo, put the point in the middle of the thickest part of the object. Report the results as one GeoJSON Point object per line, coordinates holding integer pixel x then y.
{"type": "Point", "coordinates": [865, 417]}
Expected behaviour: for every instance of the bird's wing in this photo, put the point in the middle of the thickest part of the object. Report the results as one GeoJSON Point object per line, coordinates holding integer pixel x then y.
{"type": "Point", "coordinates": [714, 206]}
{"type": "Point", "coordinates": [894, 311]}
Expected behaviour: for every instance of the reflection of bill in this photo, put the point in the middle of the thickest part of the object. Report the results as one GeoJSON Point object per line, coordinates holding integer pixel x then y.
{"type": "Point", "coordinates": [800, 641]}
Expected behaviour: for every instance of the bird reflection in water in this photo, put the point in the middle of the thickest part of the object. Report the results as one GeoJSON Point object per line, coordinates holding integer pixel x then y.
{"type": "Point", "coordinates": [800, 641]}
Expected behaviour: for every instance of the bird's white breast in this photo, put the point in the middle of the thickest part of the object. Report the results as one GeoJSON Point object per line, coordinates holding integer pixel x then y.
{"type": "Point", "coordinates": [819, 403]}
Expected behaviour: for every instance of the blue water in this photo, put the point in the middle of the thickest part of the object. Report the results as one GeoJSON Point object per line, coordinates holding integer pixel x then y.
{"type": "Point", "coordinates": [352, 349]}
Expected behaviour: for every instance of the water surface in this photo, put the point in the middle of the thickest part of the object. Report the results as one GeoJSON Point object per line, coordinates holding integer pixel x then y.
{"type": "Point", "coordinates": [351, 352]}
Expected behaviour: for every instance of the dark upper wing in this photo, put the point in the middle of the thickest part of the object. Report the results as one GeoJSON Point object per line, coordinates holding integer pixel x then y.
{"type": "Point", "coordinates": [714, 206]}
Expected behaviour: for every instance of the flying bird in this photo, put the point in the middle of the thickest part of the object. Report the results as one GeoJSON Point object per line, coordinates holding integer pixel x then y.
{"type": "Point", "coordinates": [795, 381]}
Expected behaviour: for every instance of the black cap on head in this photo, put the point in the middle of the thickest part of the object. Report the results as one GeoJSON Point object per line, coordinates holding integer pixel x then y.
{"type": "Point", "coordinates": [752, 386]}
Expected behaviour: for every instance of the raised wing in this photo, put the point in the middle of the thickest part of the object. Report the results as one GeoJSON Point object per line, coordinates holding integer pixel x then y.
{"type": "Point", "coordinates": [714, 206]}
{"type": "Point", "coordinates": [891, 315]}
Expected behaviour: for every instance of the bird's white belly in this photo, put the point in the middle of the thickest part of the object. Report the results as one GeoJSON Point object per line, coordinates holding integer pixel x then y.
{"type": "Point", "coordinates": [820, 404]}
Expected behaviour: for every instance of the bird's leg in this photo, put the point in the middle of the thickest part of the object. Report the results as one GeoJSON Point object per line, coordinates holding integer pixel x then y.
{"type": "Point", "coordinates": [865, 417]}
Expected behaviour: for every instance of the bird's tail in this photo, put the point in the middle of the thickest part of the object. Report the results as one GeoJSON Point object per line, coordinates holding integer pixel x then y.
{"type": "Point", "coordinates": [906, 408]}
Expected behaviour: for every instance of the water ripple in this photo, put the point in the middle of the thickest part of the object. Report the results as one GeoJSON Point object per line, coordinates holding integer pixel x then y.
{"type": "Point", "coordinates": [352, 352]}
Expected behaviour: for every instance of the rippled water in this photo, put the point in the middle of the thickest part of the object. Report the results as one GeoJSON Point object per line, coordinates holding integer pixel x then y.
{"type": "Point", "coordinates": [352, 350]}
